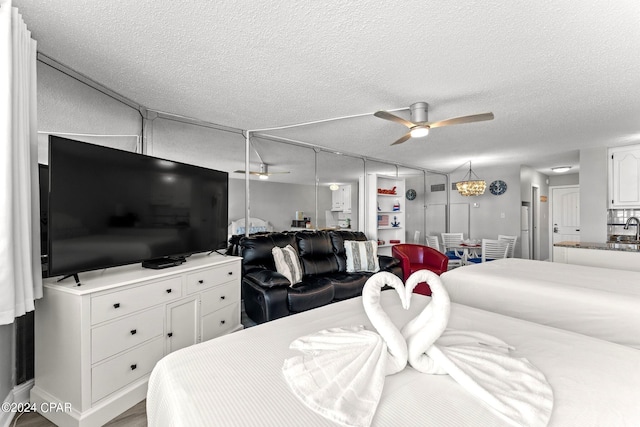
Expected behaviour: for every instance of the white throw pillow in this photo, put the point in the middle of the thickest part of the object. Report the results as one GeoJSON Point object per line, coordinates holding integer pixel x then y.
{"type": "Point", "coordinates": [287, 263]}
{"type": "Point", "coordinates": [362, 256]}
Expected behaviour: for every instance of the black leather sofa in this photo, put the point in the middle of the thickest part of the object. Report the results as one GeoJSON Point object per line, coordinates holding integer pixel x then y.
{"type": "Point", "coordinates": [268, 295]}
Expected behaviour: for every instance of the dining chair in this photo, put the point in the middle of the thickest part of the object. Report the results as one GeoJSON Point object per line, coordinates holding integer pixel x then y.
{"type": "Point", "coordinates": [512, 243]}
{"type": "Point", "coordinates": [491, 250]}
{"type": "Point", "coordinates": [451, 248]}
{"type": "Point", "coordinates": [433, 242]}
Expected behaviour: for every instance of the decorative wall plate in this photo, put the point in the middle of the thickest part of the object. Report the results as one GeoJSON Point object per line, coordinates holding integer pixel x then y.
{"type": "Point", "coordinates": [411, 194]}
{"type": "Point", "coordinates": [498, 187]}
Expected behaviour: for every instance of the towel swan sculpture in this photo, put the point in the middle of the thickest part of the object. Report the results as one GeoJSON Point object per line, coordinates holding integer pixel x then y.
{"type": "Point", "coordinates": [342, 370]}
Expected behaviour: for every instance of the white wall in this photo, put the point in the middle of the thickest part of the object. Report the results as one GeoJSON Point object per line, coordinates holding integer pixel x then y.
{"type": "Point", "coordinates": [414, 209]}
{"type": "Point", "coordinates": [490, 215]}
{"type": "Point", "coordinates": [530, 178]}
{"type": "Point", "coordinates": [564, 179]}
{"type": "Point", "coordinates": [278, 202]}
{"type": "Point", "coordinates": [593, 194]}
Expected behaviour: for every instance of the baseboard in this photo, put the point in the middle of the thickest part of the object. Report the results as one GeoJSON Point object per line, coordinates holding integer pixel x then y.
{"type": "Point", "coordinates": [19, 394]}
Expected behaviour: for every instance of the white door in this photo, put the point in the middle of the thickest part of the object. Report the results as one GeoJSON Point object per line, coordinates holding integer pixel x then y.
{"type": "Point", "coordinates": [565, 216]}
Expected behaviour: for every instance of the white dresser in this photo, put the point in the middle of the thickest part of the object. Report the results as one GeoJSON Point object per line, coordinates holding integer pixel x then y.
{"type": "Point", "coordinates": [96, 344]}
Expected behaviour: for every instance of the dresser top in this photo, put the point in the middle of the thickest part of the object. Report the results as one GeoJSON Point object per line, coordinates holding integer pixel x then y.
{"type": "Point", "coordinates": [107, 278]}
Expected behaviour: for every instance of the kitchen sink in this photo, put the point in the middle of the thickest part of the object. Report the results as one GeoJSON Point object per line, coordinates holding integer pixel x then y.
{"type": "Point", "coordinates": [626, 239]}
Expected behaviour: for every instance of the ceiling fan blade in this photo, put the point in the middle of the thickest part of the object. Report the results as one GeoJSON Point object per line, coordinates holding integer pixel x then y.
{"type": "Point", "coordinates": [461, 120]}
{"type": "Point", "coordinates": [403, 139]}
{"type": "Point", "coordinates": [388, 116]}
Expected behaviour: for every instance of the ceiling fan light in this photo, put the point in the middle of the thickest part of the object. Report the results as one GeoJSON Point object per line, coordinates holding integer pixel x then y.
{"type": "Point", "coordinates": [333, 187]}
{"type": "Point", "coordinates": [560, 169]}
{"type": "Point", "coordinates": [419, 132]}
{"type": "Point", "coordinates": [263, 176]}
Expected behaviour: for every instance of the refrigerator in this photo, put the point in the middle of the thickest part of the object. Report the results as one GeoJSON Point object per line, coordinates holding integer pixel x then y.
{"type": "Point", "coordinates": [525, 232]}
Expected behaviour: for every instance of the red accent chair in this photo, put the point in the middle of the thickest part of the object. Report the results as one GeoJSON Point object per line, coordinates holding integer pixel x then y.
{"type": "Point", "coordinates": [418, 257]}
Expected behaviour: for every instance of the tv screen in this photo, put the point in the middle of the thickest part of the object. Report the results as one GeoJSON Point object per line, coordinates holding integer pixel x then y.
{"type": "Point", "coordinates": [110, 207]}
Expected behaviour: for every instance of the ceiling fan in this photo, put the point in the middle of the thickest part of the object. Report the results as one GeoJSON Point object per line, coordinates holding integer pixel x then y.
{"type": "Point", "coordinates": [263, 173]}
{"type": "Point", "coordinates": [419, 126]}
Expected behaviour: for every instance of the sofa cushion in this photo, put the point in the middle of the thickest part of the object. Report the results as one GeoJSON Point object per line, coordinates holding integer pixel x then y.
{"type": "Point", "coordinates": [337, 241]}
{"type": "Point", "coordinates": [312, 292]}
{"type": "Point", "coordinates": [362, 256]}
{"type": "Point", "coordinates": [256, 249]}
{"type": "Point", "coordinates": [347, 285]}
{"type": "Point", "coordinates": [316, 253]}
{"type": "Point", "coordinates": [287, 263]}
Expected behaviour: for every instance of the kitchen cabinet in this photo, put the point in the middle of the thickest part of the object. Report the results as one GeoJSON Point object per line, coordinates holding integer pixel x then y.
{"type": "Point", "coordinates": [624, 177]}
{"type": "Point", "coordinates": [341, 199]}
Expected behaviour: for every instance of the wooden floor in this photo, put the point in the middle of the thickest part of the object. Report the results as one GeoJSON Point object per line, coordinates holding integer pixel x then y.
{"type": "Point", "coordinates": [134, 417]}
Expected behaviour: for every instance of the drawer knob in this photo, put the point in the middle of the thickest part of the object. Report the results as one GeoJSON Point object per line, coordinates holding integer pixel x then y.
{"type": "Point", "coordinates": [133, 332]}
{"type": "Point", "coordinates": [230, 273]}
{"type": "Point", "coordinates": [222, 322]}
{"type": "Point", "coordinates": [134, 366]}
{"type": "Point", "coordinates": [168, 291]}
{"type": "Point", "coordinates": [222, 297]}
{"type": "Point", "coordinates": [201, 281]}
{"type": "Point", "coordinates": [116, 305]}
{"type": "Point", "coordinates": [170, 334]}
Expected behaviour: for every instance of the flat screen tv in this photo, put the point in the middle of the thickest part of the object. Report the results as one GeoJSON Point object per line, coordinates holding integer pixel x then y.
{"type": "Point", "coordinates": [110, 207]}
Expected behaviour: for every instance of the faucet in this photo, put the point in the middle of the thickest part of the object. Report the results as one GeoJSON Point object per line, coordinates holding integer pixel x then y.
{"type": "Point", "coordinates": [626, 226]}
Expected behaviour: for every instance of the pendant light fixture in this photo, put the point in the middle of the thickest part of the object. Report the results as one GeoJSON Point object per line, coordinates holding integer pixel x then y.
{"type": "Point", "coordinates": [470, 186]}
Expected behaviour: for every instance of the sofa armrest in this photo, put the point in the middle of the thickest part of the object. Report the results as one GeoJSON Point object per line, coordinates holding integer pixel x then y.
{"type": "Point", "coordinates": [388, 262]}
{"type": "Point", "coordinates": [264, 304]}
{"type": "Point", "coordinates": [266, 278]}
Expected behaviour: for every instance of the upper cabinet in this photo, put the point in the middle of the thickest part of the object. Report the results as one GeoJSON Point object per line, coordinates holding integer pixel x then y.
{"type": "Point", "coordinates": [341, 199]}
{"type": "Point", "coordinates": [624, 177]}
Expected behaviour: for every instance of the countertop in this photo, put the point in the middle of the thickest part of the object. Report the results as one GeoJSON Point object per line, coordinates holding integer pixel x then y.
{"type": "Point", "coordinates": [608, 246]}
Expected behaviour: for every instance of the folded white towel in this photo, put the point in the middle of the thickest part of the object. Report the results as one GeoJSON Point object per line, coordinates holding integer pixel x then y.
{"type": "Point", "coordinates": [512, 387]}
{"type": "Point", "coordinates": [341, 372]}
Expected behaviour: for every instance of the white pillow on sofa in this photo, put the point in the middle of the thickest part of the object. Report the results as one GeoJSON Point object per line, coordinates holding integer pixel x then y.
{"type": "Point", "coordinates": [287, 263]}
{"type": "Point", "coordinates": [362, 256]}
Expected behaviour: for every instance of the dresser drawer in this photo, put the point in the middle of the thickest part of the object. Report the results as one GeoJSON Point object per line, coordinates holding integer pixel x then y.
{"type": "Point", "coordinates": [219, 297]}
{"type": "Point", "coordinates": [115, 304]}
{"type": "Point", "coordinates": [205, 279]}
{"type": "Point", "coordinates": [122, 334]}
{"type": "Point", "coordinates": [116, 373]}
{"type": "Point", "coordinates": [221, 321]}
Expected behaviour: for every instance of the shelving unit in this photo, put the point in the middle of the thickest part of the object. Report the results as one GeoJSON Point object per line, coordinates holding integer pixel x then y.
{"type": "Point", "coordinates": [384, 209]}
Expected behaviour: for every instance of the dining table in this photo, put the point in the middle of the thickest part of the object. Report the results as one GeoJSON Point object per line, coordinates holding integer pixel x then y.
{"type": "Point", "coordinates": [468, 248]}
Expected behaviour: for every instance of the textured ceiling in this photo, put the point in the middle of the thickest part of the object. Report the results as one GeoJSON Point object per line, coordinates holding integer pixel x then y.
{"type": "Point", "coordinates": [559, 76]}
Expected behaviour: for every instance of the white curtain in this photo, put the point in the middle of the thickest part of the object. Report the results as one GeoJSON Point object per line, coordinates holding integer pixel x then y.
{"type": "Point", "coordinates": [20, 271]}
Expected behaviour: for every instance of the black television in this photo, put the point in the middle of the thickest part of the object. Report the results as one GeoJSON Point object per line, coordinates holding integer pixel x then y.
{"type": "Point", "coordinates": [110, 207]}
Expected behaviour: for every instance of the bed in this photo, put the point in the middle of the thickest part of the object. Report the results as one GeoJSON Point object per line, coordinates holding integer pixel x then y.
{"type": "Point", "coordinates": [600, 302]}
{"type": "Point", "coordinates": [236, 380]}
{"type": "Point", "coordinates": [256, 225]}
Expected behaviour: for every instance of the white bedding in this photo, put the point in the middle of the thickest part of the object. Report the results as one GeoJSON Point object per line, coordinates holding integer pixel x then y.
{"type": "Point", "coordinates": [600, 302]}
{"type": "Point", "coordinates": [237, 380]}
